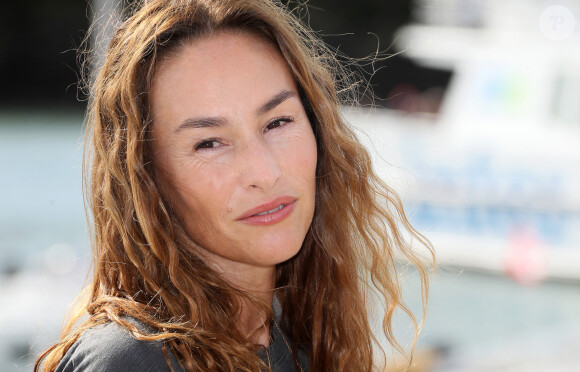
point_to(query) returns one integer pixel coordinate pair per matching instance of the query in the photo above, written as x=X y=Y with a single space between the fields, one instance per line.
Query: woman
x=238 y=225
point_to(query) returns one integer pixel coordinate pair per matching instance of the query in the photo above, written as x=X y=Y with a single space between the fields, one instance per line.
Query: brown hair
x=144 y=266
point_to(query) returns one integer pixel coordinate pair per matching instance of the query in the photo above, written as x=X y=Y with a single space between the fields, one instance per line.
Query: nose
x=258 y=165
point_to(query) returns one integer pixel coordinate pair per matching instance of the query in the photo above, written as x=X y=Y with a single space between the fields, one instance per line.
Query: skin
x=230 y=134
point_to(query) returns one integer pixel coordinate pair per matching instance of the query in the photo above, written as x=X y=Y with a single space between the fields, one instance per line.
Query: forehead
x=228 y=68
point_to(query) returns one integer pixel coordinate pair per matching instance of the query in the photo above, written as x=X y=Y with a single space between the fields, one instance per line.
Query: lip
x=250 y=216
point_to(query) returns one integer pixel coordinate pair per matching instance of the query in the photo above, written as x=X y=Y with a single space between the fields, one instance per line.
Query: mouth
x=270 y=212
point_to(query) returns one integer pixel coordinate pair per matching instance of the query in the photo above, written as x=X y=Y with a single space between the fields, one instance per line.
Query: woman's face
x=234 y=152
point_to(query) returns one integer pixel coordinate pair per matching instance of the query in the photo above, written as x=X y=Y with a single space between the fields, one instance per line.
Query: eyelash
x=201 y=144
x=285 y=120
x=282 y=121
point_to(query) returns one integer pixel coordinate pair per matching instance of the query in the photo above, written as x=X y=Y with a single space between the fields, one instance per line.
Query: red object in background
x=525 y=259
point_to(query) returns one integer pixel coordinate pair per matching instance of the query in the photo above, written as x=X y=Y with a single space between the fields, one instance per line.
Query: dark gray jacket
x=109 y=347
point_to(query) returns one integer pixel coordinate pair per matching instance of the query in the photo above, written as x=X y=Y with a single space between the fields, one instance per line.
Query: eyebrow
x=215 y=122
x=275 y=101
x=205 y=122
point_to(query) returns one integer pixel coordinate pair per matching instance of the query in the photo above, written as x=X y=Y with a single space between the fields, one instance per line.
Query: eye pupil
x=277 y=123
x=206 y=145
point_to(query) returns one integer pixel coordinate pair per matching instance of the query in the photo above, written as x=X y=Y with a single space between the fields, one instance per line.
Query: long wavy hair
x=144 y=266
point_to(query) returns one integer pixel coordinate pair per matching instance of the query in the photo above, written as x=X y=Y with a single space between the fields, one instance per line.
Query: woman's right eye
x=207 y=144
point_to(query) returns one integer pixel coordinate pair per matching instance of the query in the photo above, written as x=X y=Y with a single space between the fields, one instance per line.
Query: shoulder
x=109 y=347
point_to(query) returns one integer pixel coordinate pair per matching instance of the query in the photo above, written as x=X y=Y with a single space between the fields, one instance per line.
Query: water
x=41 y=198
x=43 y=241
x=489 y=323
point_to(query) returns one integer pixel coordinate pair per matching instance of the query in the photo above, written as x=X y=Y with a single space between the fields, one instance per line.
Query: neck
x=254 y=324
x=259 y=282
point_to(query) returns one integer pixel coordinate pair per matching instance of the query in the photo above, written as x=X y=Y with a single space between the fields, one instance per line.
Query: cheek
x=199 y=193
x=304 y=157
x=201 y=207
x=207 y=189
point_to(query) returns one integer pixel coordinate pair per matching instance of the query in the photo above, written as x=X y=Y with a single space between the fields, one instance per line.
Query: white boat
x=493 y=179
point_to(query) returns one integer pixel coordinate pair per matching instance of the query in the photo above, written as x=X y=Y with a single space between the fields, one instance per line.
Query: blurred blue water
x=44 y=247
x=40 y=187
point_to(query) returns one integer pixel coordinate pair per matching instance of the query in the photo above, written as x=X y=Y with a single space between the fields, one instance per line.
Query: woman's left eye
x=207 y=144
x=277 y=123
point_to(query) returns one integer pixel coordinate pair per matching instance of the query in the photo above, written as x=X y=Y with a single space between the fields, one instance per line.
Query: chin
x=290 y=254
x=280 y=253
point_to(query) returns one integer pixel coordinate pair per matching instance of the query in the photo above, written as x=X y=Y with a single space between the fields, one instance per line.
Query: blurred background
x=476 y=123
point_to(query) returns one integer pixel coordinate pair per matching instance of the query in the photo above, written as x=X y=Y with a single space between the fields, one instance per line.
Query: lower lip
x=270 y=218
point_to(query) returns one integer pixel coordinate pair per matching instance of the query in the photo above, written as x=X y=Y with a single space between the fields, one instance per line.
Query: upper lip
x=267 y=206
